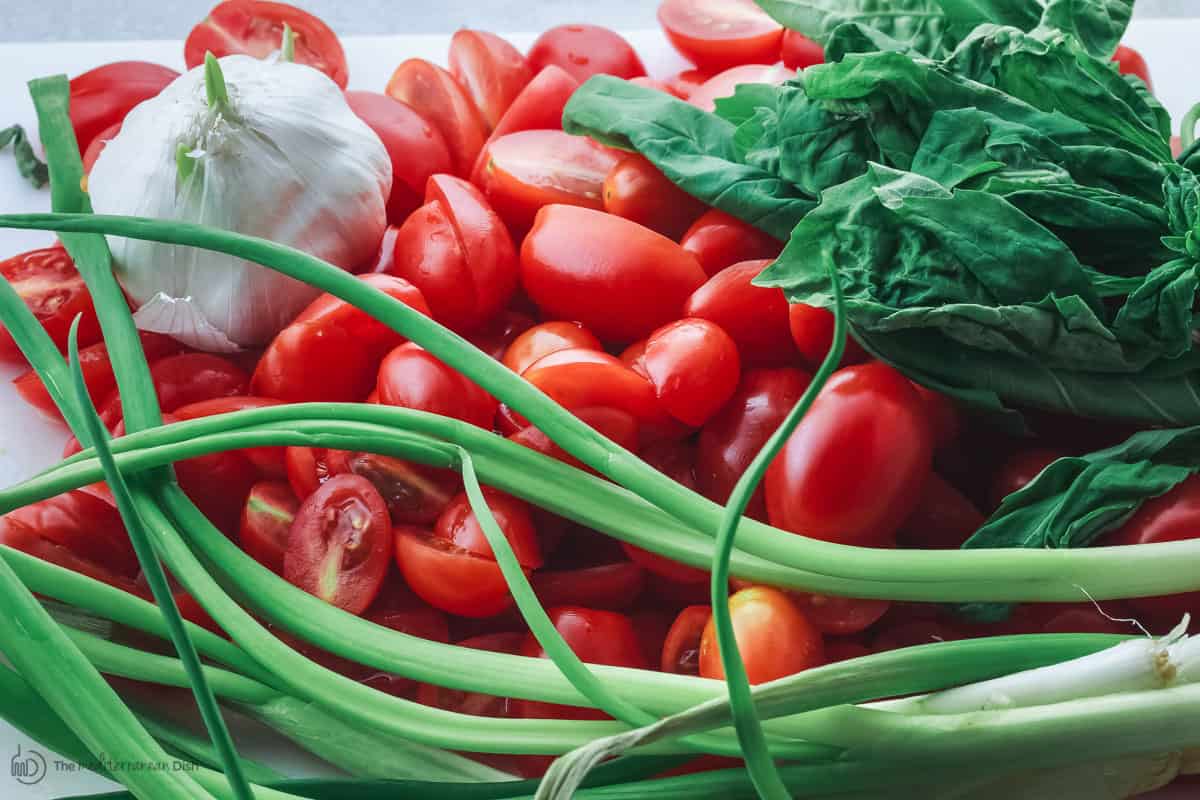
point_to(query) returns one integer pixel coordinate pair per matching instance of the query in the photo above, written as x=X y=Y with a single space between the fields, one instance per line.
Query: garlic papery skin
x=276 y=153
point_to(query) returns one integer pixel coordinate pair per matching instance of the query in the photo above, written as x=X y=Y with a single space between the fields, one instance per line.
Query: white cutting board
x=28 y=443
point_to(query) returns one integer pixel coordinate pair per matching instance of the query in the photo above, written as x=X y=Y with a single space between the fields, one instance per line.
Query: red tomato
x=836 y=651
x=636 y=190
x=412 y=377
x=663 y=567
x=435 y=95
x=218 y=484
x=943 y=519
x=755 y=317
x=415 y=494
x=683 y=84
x=597 y=637
x=800 y=52
x=1087 y=618
x=417 y=619
x=266 y=523
x=99 y=142
x=47 y=281
x=416 y=148
x=84 y=524
x=718 y=240
x=773 y=636
x=634 y=357
x=310 y=467
x=456 y=250
x=656 y=85
x=101 y=97
x=491 y=70
x=1131 y=62
x=21 y=537
x=943 y=414
x=840 y=616
x=681 y=650
x=339 y=544
x=474 y=703
x=255 y=28
x=458 y=524
x=616 y=425
x=852 y=471
x=539 y=106
x=675 y=458
x=724 y=83
x=732 y=438
x=694 y=367
x=609 y=586
x=812 y=332
x=527 y=170
x=1173 y=517
x=584 y=51
x=572 y=270
x=718 y=34
x=549 y=337
x=912 y=633
x=1019 y=470
x=500 y=333
x=268 y=459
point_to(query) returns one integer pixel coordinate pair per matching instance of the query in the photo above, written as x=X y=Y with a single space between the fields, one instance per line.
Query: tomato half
x=457 y=251
x=266 y=523
x=415 y=494
x=20 y=536
x=719 y=240
x=755 y=317
x=657 y=85
x=681 y=650
x=491 y=70
x=1131 y=62
x=943 y=519
x=800 y=52
x=586 y=50
x=636 y=190
x=773 y=635
x=255 y=28
x=718 y=34
x=694 y=367
x=608 y=586
x=538 y=107
x=309 y=467
x=48 y=283
x=433 y=93
x=853 y=469
x=84 y=524
x=101 y=97
x=724 y=83
x=572 y=270
x=546 y=338
x=812 y=332
x=412 y=377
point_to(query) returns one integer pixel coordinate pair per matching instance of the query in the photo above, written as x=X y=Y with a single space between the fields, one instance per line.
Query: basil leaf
x=32 y=168
x=1097 y=24
x=917 y=24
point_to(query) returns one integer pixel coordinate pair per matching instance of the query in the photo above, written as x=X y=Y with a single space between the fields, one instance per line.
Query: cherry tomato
x=664 y=568
x=415 y=494
x=417 y=149
x=718 y=240
x=549 y=337
x=1172 y=517
x=1019 y=470
x=47 y=281
x=684 y=83
x=99 y=142
x=20 y=536
x=718 y=34
x=474 y=703
x=608 y=586
x=1131 y=62
x=266 y=522
x=634 y=357
x=84 y=524
x=694 y=367
x=636 y=190
x=500 y=333
x=101 y=97
x=584 y=51
x=572 y=270
x=412 y=377
x=1110 y=618
x=339 y=544
x=270 y=460
x=852 y=471
x=491 y=70
x=800 y=52
x=812 y=331
x=656 y=85
x=681 y=650
x=310 y=467
x=943 y=414
x=675 y=458
x=836 y=651
x=255 y=28
x=218 y=484
x=774 y=637
x=398 y=609
x=434 y=94
x=724 y=83
x=539 y=106
x=943 y=519
x=840 y=616
x=527 y=170
x=597 y=637
x=614 y=424
x=456 y=250
x=754 y=316
x=731 y=439
x=911 y=633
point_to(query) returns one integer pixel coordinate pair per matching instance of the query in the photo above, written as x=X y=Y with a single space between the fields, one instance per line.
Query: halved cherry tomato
x=694 y=367
x=501 y=332
x=773 y=635
x=724 y=83
x=636 y=190
x=47 y=281
x=458 y=524
x=586 y=50
x=99 y=142
x=718 y=34
x=546 y=338
x=491 y=70
x=456 y=250
x=415 y=494
x=84 y=524
x=1019 y=470
x=608 y=586
x=614 y=424
x=416 y=148
x=412 y=377
x=1131 y=62
x=524 y=171
x=572 y=270
x=943 y=519
x=340 y=543
x=24 y=538
x=681 y=650
x=718 y=240
x=255 y=27
x=435 y=95
x=800 y=52
x=578 y=379
x=266 y=523
x=474 y=703
x=684 y=83
x=812 y=332
x=268 y=459
x=101 y=97
x=840 y=616
x=731 y=439
x=755 y=317
x=539 y=107
x=310 y=467
x=852 y=471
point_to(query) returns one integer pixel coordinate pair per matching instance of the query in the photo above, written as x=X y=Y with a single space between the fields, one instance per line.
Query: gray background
x=59 y=20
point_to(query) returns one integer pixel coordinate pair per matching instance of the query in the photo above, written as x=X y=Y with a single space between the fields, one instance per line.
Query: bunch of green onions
x=1124 y=704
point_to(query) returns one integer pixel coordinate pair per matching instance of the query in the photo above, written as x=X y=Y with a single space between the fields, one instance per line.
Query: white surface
x=29 y=443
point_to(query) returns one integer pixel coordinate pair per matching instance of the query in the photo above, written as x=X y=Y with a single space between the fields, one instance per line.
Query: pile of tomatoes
x=631 y=304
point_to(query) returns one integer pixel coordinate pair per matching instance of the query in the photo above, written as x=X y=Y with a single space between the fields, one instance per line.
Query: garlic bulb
x=267 y=148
